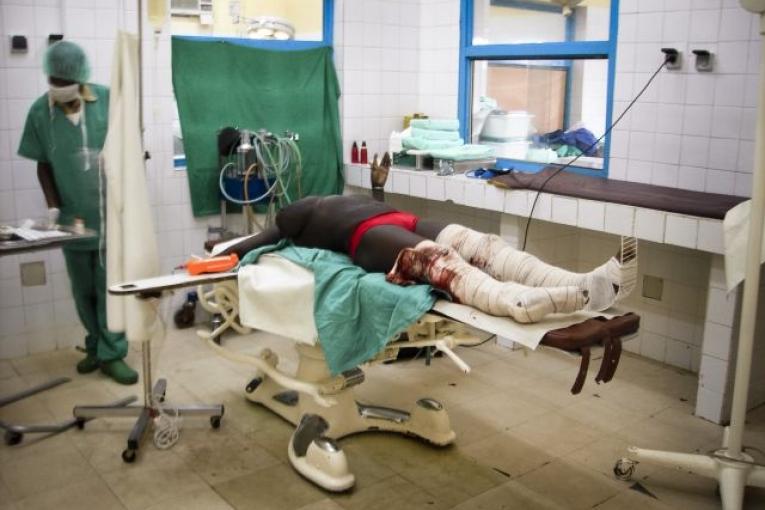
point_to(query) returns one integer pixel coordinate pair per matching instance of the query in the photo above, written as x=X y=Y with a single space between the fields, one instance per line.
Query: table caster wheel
x=624 y=469
x=81 y=423
x=128 y=456
x=215 y=421
x=13 y=438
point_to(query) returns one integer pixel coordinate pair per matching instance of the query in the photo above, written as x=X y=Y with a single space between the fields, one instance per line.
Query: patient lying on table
x=480 y=270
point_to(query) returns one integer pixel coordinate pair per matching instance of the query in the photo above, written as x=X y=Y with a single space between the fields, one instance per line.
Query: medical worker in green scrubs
x=64 y=132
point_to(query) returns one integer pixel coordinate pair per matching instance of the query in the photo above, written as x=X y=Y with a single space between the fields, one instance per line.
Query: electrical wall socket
x=653 y=287
x=32 y=273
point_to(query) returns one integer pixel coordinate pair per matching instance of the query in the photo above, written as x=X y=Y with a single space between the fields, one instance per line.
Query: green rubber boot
x=120 y=371
x=89 y=364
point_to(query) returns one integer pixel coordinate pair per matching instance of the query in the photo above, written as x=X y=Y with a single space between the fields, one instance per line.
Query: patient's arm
x=271 y=235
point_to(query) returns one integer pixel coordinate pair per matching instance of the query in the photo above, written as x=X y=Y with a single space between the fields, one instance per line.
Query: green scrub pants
x=88 y=279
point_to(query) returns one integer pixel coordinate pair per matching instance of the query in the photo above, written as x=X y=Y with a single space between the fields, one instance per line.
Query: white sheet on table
x=528 y=335
x=277 y=296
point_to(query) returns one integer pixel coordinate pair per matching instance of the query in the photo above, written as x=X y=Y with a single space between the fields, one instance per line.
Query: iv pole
x=733 y=468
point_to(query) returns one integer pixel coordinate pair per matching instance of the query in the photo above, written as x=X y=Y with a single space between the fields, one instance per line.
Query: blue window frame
x=328 y=13
x=562 y=52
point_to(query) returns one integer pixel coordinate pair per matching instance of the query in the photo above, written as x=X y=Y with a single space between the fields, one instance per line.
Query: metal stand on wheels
x=153 y=395
x=14 y=434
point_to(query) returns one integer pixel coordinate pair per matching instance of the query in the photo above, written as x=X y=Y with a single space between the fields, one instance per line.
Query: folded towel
x=463 y=153
x=441 y=124
x=421 y=144
x=434 y=134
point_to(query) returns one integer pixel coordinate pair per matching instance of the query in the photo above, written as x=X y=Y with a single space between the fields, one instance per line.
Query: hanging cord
x=251 y=218
x=167 y=425
x=588 y=149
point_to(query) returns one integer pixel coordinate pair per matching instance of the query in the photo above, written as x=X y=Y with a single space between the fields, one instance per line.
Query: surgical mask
x=64 y=94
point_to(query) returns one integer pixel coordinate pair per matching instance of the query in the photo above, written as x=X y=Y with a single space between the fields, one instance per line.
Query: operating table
x=322 y=405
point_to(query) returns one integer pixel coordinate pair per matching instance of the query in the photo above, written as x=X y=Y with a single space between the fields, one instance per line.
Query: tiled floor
x=523 y=441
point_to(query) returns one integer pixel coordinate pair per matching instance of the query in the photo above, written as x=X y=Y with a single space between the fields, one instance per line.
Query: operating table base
x=313 y=449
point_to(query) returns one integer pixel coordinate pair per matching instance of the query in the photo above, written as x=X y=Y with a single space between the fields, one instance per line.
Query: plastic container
x=502 y=125
x=512 y=149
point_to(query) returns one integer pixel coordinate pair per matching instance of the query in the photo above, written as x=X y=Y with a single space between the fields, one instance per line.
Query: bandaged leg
x=606 y=284
x=444 y=269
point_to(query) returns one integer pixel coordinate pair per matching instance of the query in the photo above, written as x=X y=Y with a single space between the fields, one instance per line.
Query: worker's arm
x=48 y=184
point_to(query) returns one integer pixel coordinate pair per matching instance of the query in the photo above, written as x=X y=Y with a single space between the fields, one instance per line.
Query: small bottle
x=355 y=153
x=364 y=158
x=78 y=226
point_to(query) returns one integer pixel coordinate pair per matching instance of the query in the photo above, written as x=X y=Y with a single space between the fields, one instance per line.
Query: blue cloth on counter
x=422 y=144
x=487 y=173
x=464 y=152
x=581 y=138
x=356 y=313
x=440 y=124
x=435 y=134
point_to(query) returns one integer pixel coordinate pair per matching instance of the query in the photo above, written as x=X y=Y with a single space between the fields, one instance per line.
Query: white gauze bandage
x=444 y=269
x=606 y=284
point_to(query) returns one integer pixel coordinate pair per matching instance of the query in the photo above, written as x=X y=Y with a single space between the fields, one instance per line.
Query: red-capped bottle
x=364 y=158
x=355 y=153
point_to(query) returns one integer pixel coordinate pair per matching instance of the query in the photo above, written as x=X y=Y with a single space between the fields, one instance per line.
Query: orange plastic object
x=212 y=265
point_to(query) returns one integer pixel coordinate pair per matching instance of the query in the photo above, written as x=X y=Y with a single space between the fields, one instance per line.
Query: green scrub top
x=50 y=137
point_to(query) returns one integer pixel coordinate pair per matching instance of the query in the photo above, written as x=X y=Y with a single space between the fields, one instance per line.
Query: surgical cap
x=66 y=61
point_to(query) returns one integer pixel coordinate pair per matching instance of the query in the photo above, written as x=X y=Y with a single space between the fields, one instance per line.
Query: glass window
x=544 y=111
x=283 y=20
x=535 y=21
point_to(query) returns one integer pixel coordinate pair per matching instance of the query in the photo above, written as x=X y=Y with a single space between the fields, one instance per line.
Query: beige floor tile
x=469 y=427
x=509 y=496
x=219 y=457
x=93 y=493
x=680 y=489
x=52 y=466
x=201 y=499
x=6 y=370
x=602 y=455
x=570 y=486
x=141 y=484
x=393 y=493
x=500 y=374
x=647 y=405
x=506 y=453
x=544 y=361
x=55 y=363
x=503 y=411
x=456 y=389
x=277 y=488
x=653 y=434
x=102 y=448
x=683 y=419
x=5 y=493
x=448 y=472
x=363 y=464
x=598 y=414
x=555 y=434
x=324 y=504
x=632 y=500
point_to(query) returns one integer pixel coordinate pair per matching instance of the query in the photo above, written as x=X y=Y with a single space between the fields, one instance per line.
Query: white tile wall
x=705 y=111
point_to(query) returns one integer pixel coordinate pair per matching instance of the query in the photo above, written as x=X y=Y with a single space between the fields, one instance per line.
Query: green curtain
x=219 y=84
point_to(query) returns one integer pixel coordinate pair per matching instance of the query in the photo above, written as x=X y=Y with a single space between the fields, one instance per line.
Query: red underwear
x=400 y=219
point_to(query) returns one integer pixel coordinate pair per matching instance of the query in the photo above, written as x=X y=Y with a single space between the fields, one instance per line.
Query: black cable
x=594 y=144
